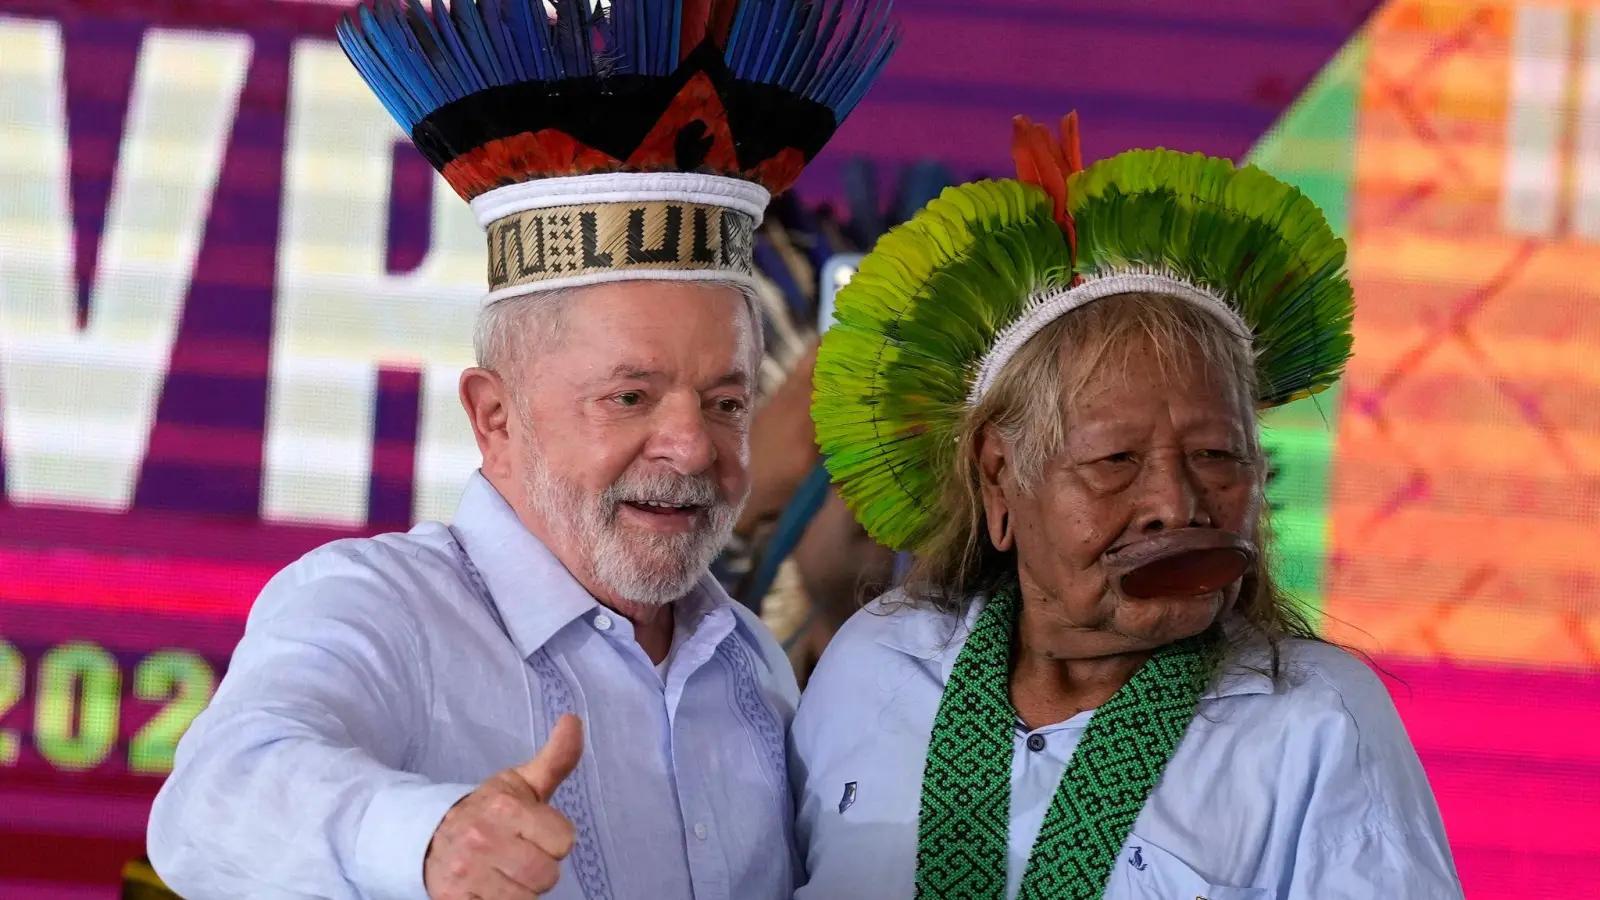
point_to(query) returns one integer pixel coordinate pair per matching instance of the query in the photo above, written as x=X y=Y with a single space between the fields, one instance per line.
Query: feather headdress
x=943 y=302
x=639 y=139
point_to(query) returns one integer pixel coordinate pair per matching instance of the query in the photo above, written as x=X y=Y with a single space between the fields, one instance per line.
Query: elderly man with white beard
x=550 y=696
x=380 y=680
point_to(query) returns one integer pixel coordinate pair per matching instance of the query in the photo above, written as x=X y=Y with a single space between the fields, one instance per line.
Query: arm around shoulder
x=291 y=782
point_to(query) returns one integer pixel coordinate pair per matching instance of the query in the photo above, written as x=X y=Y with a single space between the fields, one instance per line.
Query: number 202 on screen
x=77 y=704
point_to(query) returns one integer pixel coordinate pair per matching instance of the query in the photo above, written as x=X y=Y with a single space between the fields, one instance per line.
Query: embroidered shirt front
x=380 y=680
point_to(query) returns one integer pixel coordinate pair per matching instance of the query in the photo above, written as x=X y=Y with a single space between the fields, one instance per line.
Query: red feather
x=1072 y=152
x=779 y=173
x=720 y=22
x=524 y=157
x=696 y=23
x=1048 y=164
x=1070 y=143
x=1021 y=151
x=696 y=101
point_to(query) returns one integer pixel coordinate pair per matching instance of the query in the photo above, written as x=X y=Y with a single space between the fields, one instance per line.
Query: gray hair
x=1025 y=407
x=957 y=562
x=530 y=322
x=533 y=323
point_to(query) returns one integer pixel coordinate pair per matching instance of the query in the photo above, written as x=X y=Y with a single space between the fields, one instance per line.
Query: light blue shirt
x=379 y=681
x=1306 y=788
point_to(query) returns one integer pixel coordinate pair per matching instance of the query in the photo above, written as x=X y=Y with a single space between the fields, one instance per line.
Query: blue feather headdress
x=477 y=82
x=641 y=139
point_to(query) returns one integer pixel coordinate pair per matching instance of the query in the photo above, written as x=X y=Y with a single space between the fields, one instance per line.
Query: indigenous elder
x=1091 y=687
x=550 y=696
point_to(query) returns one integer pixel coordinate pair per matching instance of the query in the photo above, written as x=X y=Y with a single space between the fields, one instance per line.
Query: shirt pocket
x=1145 y=871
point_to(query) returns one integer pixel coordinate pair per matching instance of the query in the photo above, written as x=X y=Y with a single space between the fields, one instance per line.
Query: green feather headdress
x=944 y=301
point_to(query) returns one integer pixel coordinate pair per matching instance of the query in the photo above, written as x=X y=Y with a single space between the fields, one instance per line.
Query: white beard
x=644 y=568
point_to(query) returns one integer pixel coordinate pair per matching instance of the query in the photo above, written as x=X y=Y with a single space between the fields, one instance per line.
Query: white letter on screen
x=1586 y=165
x=339 y=314
x=1534 y=123
x=77 y=405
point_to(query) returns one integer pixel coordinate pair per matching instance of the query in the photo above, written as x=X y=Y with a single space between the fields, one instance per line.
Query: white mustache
x=668 y=490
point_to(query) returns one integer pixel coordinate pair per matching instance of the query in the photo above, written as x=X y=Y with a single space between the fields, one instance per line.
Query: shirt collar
x=937 y=638
x=929 y=635
x=534 y=594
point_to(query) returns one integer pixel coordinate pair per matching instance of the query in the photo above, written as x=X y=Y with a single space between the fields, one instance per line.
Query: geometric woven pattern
x=966 y=783
x=1465 y=513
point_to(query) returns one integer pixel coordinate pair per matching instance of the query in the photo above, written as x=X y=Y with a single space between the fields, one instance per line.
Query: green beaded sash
x=966 y=783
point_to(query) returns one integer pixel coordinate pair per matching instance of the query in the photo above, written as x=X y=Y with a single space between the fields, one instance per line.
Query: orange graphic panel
x=1465 y=502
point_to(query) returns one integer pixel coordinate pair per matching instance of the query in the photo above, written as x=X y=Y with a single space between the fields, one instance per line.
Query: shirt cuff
x=394 y=837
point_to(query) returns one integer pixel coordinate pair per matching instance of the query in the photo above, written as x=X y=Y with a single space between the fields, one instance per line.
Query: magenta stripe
x=199 y=445
x=1511 y=754
x=74 y=578
x=121 y=631
x=222 y=355
x=1545 y=716
x=14 y=889
x=1552 y=869
x=174 y=535
x=1098 y=61
x=1501 y=801
x=290 y=18
x=73 y=815
x=1282 y=18
x=1257 y=21
x=1237 y=13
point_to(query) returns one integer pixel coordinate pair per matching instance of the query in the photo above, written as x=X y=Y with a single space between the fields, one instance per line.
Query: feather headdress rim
x=937 y=309
x=622 y=187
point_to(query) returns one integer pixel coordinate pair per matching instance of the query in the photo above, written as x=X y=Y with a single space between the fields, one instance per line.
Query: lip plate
x=1186 y=562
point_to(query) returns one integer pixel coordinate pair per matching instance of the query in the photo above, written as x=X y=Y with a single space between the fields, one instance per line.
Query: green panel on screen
x=1313 y=148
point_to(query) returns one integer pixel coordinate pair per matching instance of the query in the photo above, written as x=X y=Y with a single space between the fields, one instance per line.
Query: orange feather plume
x=1069 y=142
x=1046 y=163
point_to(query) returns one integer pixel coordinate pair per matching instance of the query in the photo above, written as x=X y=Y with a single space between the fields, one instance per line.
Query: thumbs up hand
x=504 y=841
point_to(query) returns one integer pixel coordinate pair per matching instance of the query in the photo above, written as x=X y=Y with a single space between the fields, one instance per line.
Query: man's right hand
x=504 y=841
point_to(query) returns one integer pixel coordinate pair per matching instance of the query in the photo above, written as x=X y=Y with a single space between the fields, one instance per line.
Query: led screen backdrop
x=233 y=304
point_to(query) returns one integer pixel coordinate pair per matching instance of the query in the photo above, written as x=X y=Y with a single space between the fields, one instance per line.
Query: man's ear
x=994 y=470
x=487 y=400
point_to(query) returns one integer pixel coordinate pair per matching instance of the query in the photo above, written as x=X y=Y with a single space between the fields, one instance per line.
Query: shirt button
x=700 y=830
x=1036 y=742
x=602 y=622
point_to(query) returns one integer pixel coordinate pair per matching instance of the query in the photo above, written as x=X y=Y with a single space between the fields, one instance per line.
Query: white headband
x=1042 y=309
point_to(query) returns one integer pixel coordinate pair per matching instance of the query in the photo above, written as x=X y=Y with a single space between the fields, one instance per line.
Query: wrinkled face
x=1146 y=451
x=633 y=442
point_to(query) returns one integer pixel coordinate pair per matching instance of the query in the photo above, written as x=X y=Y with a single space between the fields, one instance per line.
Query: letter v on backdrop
x=77 y=403
x=78 y=398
